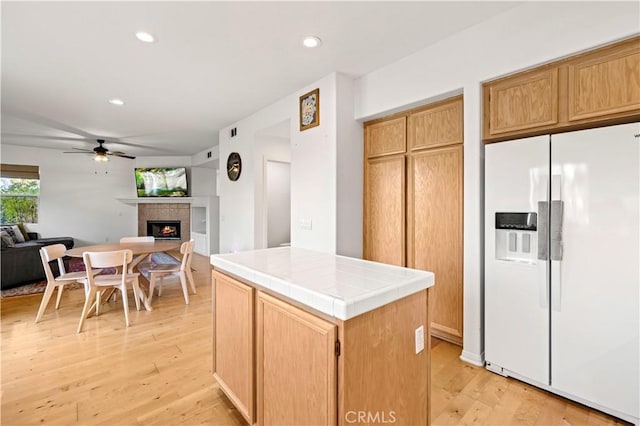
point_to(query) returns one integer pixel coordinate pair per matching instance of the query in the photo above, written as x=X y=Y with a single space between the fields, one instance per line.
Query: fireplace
x=164 y=229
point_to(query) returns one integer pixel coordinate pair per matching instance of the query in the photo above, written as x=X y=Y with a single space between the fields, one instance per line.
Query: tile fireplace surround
x=165 y=211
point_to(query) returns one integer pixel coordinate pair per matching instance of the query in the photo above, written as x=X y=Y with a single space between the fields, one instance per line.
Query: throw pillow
x=7 y=241
x=25 y=234
x=14 y=232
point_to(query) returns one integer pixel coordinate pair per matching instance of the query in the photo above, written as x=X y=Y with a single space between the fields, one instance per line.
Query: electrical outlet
x=419 y=339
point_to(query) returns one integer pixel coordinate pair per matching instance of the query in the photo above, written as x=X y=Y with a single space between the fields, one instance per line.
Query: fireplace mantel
x=157 y=200
x=194 y=201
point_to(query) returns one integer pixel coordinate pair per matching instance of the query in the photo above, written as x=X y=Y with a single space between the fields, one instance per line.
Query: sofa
x=21 y=262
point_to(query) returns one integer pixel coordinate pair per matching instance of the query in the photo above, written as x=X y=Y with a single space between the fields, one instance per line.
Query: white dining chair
x=119 y=280
x=182 y=270
x=49 y=254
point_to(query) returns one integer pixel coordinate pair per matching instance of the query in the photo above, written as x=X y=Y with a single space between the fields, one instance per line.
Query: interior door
x=516 y=292
x=595 y=297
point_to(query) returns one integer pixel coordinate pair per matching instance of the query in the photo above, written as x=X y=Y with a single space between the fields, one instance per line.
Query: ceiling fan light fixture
x=145 y=37
x=311 y=41
x=100 y=158
x=116 y=101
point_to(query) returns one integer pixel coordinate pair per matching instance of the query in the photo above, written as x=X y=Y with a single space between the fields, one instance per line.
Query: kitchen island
x=303 y=337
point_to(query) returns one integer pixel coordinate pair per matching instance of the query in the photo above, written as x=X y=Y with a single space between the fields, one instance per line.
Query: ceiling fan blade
x=45 y=137
x=47 y=122
x=77 y=152
x=121 y=155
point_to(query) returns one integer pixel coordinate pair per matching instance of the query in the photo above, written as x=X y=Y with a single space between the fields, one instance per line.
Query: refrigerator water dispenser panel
x=516 y=238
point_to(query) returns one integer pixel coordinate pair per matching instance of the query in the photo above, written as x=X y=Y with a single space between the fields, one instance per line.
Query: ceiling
x=213 y=63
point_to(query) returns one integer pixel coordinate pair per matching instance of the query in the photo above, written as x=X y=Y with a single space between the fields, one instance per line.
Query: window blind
x=19 y=171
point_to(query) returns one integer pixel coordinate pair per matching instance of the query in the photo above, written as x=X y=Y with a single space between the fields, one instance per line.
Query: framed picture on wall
x=310 y=110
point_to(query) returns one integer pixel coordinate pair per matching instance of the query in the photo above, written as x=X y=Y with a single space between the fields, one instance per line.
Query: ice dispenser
x=516 y=237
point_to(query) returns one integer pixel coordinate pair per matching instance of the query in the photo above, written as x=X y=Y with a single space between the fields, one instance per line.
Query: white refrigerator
x=562 y=265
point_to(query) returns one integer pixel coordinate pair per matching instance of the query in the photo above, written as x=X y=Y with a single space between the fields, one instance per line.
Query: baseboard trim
x=473 y=358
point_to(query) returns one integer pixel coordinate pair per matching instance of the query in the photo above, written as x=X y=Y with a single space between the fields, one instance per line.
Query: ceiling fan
x=100 y=152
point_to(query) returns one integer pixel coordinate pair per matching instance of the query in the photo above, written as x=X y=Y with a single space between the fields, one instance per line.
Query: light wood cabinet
x=414 y=218
x=295 y=354
x=605 y=82
x=233 y=367
x=436 y=125
x=435 y=232
x=313 y=369
x=384 y=210
x=386 y=137
x=525 y=101
x=592 y=89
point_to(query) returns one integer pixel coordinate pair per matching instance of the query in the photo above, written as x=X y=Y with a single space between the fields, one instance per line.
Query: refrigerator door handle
x=555 y=240
x=555 y=235
x=543 y=230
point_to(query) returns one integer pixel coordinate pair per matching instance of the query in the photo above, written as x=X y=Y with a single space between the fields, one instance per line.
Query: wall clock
x=234 y=166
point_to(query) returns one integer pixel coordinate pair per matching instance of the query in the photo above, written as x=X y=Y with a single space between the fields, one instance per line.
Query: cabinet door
x=525 y=101
x=436 y=125
x=435 y=233
x=384 y=210
x=605 y=82
x=233 y=354
x=385 y=137
x=296 y=366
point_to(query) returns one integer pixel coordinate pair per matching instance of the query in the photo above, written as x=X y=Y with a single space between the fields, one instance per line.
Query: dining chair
x=182 y=270
x=137 y=259
x=49 y=254
x=119 y=280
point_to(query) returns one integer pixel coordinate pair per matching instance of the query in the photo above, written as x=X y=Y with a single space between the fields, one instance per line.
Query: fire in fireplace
x=164 y=229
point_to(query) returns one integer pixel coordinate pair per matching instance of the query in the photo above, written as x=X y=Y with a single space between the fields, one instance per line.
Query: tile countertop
x=343 y=287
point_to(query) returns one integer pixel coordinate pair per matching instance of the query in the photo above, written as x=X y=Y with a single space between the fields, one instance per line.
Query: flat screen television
x=161 y=182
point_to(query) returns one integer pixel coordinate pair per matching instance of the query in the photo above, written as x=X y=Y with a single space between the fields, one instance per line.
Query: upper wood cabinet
x=524 y=101
x=605 y=82
x=436 y=124
x=592 y=89
x=386 y=137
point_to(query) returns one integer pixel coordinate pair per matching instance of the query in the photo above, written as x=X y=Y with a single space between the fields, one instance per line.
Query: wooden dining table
x=140 y=251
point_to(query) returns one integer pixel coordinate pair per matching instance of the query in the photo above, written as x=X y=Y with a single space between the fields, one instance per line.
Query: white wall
x=278 y=197
x=525 y=36
x=77 y=202
x=266 y=148
x=203 y=185
x=350 y=173
x=313 y=174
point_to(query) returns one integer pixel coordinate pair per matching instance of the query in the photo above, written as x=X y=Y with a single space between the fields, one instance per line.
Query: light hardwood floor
x=158 y=371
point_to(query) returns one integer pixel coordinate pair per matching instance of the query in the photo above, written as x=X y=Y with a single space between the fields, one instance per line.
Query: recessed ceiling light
x=311 y=41
x=145 y=37
x=115 y=101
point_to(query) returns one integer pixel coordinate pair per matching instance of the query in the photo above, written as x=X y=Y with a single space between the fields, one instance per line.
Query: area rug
x=75 y=265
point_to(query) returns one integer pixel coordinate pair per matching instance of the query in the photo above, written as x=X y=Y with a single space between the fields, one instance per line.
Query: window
x=19 y=193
